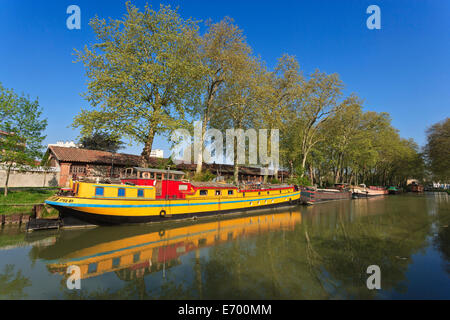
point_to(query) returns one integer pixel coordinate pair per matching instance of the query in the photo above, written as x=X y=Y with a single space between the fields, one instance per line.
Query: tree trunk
x=202 y=142
x=145 y=161
x=303 y=164
x=291 y=164
x=7 y=179
x=236 y=166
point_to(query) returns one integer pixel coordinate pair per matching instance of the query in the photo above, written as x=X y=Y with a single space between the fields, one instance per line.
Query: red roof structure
x=64 y=154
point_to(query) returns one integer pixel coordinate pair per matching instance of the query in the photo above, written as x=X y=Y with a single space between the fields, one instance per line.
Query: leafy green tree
x=21 y=143
x=101 y=141
x=223 y=52
x=141 y=74
x=438 y=150
x=316 y=104
x=238 y=104
x=278 y=90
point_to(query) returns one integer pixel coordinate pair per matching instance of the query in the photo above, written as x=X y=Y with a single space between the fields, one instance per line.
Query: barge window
x=230 y=192
x=92 y=268
x=99 y=191
x=140 y=192
x=203 y=192
x=121 y=192
x=116 y=262
x=136 y=257
x=217 y=192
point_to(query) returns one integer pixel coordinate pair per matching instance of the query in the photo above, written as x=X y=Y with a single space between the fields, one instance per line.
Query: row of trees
x=152 y=72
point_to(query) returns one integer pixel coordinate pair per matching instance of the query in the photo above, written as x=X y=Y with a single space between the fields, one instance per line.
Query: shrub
x=204 y=176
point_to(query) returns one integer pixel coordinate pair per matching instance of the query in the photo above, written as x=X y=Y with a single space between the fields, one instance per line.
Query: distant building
x=67 y=144
x=157 y=153
x=439 y=185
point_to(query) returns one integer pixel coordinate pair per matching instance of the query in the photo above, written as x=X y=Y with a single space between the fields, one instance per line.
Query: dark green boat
x=393 y=190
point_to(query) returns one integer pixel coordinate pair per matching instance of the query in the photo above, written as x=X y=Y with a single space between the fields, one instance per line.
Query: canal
x=316 y=252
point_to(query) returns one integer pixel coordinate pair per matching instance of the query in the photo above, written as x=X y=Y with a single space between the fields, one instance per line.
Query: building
x=67 y=144
x=76 y=162
x=72 y=163
x=157 y=153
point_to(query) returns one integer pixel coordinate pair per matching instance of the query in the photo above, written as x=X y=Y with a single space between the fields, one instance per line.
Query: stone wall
x=32 y=178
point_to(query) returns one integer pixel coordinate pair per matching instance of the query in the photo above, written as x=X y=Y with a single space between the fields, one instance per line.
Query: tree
x=141 y=74
x=318 y=101
x=278 y=93
x=438 y=150
x=101 y=141
x=223 y=50
x=21 y=121
x=237 y=103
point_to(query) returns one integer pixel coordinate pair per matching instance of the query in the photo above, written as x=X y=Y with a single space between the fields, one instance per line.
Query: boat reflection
x=135 y=256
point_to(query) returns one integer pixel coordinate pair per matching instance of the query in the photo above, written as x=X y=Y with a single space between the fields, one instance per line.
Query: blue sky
x=403 y=69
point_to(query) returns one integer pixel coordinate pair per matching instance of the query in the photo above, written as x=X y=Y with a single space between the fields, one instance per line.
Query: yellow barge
x=148 y=197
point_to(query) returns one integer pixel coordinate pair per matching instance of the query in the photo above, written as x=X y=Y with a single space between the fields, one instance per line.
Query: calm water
x=319 y=252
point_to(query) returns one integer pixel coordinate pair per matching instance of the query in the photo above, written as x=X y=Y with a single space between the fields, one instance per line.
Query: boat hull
x=314 y=196
x=368 y=194
x=108 y=213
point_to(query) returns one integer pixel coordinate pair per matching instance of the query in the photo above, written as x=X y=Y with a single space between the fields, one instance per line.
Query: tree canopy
x=141 y=73
x=22 y=127
x=152 y=72
x=101 y=141
x=438 y=150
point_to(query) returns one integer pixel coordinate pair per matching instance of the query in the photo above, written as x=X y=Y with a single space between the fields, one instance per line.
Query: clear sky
x=403 y=68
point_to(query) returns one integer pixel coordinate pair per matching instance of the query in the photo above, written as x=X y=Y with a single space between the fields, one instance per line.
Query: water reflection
x=317 y=252
x=12 y=283
x=135 y=256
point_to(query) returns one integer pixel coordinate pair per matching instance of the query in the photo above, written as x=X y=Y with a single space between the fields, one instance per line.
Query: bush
x=300 y=181
x=204 y=176
x=275 y=181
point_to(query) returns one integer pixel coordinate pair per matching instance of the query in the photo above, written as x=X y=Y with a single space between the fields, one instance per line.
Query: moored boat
x=147 y=195
x=310 y=195
x=362 y=191
x=393 y=190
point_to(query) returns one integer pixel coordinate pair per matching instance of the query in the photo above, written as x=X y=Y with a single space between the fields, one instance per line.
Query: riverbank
x=22 y=200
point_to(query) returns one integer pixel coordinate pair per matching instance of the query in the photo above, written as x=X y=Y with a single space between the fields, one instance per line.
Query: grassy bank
x=21 y=200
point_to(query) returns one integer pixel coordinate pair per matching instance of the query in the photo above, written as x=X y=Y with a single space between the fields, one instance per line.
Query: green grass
x=16 y=196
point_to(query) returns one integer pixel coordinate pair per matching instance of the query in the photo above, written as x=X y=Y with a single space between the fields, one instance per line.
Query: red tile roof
x=65 y=154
